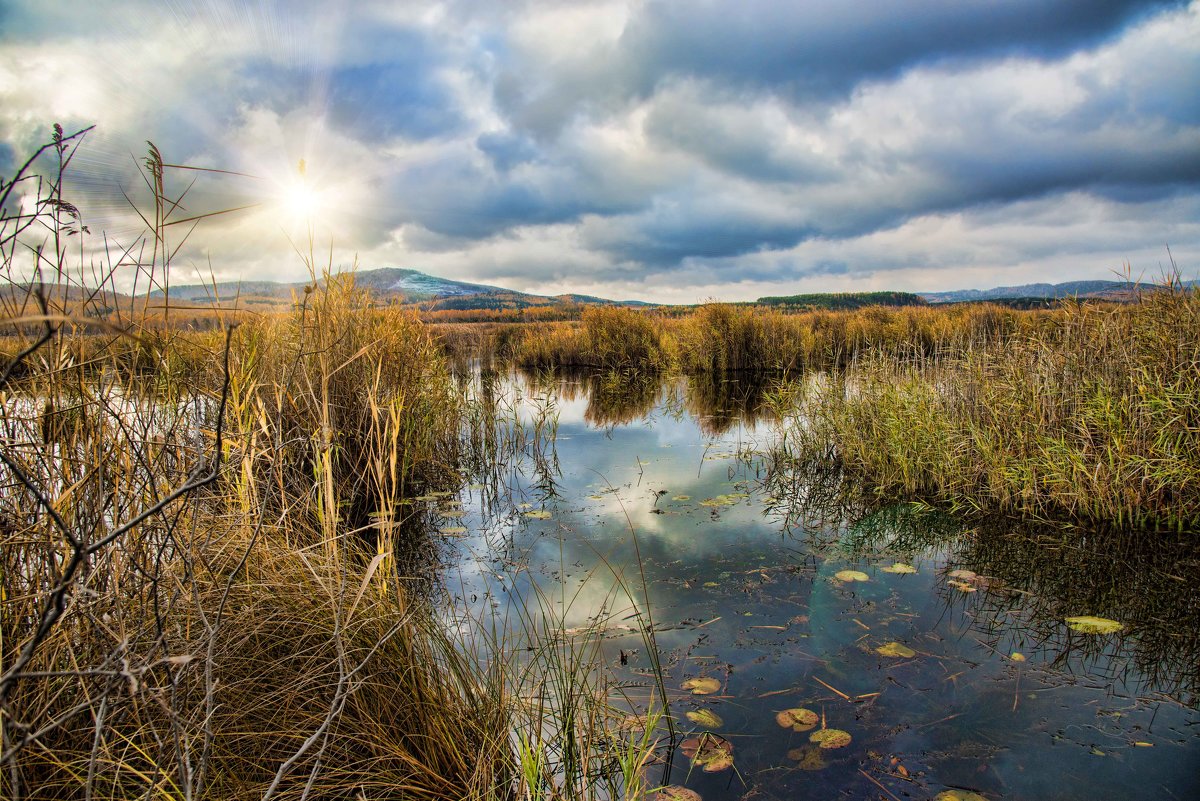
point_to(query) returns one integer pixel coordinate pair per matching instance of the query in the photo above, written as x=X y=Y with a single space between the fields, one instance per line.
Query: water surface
x=675 y=483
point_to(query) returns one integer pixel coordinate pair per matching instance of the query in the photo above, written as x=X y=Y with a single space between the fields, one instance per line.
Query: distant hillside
x=844 y=300
x=395 y=284
x=1105 y=290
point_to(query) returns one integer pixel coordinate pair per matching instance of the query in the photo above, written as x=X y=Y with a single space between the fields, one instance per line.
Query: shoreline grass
x=203 y=536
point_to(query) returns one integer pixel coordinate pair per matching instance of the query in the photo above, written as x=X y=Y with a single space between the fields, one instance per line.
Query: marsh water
x=939 y=646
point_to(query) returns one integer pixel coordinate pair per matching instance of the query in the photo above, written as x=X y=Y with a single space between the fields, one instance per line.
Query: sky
x=669 y=152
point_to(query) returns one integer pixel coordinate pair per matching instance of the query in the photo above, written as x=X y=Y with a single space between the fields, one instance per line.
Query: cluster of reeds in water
x=202 y=535
x=1088 y=412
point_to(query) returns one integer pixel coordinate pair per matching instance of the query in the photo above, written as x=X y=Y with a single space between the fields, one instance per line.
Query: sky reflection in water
x=743 y=593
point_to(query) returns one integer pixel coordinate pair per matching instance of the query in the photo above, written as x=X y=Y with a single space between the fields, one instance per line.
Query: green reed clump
x=1091 y=415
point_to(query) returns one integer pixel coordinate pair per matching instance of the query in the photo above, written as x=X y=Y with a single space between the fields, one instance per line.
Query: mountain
x=392 y=283
x=1107 y=290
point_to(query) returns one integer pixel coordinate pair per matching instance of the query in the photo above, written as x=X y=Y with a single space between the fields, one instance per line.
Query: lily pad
x=540 y=514
x=830 y=738
x=851 y=575
x=798 y=719
x=899 y=567
x=674 y=792
x=1087 y=624
x=809 y=757
x=895 y=650
x=958 y=795
x=702 y=685
x=708 y=751
x=704 y=717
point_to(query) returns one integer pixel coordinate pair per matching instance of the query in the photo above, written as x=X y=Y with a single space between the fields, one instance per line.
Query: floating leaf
x=711 y=584
x=596 y=497
x=798 y=719
x=965 y=575
x=851 y=575
x=524 y=505
x=682 y=498
x=720 y=500
x=705 y=717
x=674 y=792
x=703 y=685
x=895 y=650
x=452 y=531
x=899 y=567
x=708 y=751
x=426 y=498
x=809 y=757
x=962 y=586
x=1087 y=624
x=958 y=795
x=451 y=513
x=830 y=738
x=1017 y=656
x=539 y=514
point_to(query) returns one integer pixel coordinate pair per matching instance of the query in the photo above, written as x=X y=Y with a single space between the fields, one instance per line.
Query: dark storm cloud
x=806 y=51
x=830 y=46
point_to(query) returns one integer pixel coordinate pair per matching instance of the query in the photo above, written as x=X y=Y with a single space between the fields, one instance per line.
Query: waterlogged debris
x=809 y=757
x=830 y=738
x=702 y=685
x=705 y=717
x=708 y=751
x=899 y=568
x=452 y=531
x=681 y=498
x=896 y=650
x=674 y=792
x=539 y=514
x=958 y=795
x=851 y=575
x=1087 y=624
x=798 y=719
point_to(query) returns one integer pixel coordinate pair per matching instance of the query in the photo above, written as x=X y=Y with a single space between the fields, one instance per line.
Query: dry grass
x=1093 y=415
x=201 y=539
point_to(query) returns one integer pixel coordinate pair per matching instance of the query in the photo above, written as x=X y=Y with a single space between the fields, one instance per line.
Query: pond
x=938 y=648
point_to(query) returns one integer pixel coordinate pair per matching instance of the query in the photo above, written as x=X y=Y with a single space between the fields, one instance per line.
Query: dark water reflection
x=741 y=558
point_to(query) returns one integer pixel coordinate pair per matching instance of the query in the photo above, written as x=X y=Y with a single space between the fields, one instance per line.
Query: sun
x=299 y=199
